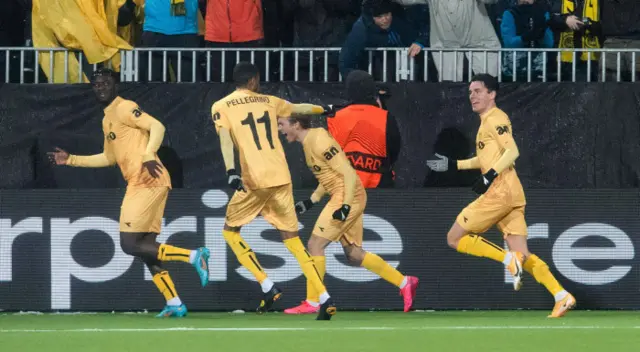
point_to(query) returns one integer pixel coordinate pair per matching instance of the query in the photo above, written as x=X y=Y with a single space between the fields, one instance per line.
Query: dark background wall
x=570 y=135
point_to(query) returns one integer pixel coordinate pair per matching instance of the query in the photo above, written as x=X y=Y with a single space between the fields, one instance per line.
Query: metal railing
x=321 y=64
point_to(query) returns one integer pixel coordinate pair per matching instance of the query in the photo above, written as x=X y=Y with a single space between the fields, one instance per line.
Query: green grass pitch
x=495 y=331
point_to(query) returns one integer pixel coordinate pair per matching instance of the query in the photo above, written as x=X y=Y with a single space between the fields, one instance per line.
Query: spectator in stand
x=580 y=27
x=380 y=25
x=461 y=24
x=170 y=24
x=86 y=26
x=525 y=26
x=317 y=24
x=234 y=24
x=621 y=28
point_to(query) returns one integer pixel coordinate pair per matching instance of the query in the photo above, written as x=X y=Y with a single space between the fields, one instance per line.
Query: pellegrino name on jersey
x=247 y=100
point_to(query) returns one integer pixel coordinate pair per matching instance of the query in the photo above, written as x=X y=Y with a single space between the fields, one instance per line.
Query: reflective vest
x=361 y=131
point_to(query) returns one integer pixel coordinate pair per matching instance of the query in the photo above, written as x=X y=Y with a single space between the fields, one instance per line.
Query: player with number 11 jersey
x=248 y=120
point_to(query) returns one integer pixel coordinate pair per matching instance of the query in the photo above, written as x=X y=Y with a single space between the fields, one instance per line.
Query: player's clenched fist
x=235 y=181
x=59 y=157
x=303 y=206
x=342 y=213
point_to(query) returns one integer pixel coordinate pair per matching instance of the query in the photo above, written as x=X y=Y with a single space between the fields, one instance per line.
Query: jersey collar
x=113 y=104
x=487 y=113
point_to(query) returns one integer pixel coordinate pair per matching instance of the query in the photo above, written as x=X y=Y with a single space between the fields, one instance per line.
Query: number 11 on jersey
x=251 y=122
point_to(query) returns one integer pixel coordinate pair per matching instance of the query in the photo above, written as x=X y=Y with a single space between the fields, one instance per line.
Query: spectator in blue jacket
x=170 y=24
x=380 y=25
x=525 y=26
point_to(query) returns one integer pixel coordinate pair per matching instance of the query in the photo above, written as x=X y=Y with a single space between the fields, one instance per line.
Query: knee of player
x=453 y=242
x=128 y=244
x=355 y=255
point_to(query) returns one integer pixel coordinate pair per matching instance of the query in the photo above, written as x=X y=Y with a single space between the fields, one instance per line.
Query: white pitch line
x=362 y=328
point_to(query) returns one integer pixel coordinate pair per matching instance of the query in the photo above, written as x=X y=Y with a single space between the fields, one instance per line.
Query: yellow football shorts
x=348 y=232
x=142 y=209
x=275 y=204
x=484 y=212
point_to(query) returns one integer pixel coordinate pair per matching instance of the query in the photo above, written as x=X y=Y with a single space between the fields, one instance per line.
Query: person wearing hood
x=525 y=26
x=378 y=26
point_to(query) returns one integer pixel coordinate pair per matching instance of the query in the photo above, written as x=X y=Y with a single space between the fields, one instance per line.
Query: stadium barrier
x=59 y=250
x=392 y=64
x=569 y=135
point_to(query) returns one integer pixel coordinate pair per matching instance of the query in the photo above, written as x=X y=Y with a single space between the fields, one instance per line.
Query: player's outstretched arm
x=61 y=157
x=310 y=109
x=442 y=163
x=468 y=164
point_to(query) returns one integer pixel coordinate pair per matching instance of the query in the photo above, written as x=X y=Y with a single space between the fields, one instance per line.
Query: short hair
x=304 y=121
x=243 y=72
x=489 y=81
x=104 y=72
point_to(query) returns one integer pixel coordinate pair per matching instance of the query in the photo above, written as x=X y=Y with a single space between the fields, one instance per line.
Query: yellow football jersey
x=252 y=120
x=126 y=134
x=324 y=157
x=494 y=136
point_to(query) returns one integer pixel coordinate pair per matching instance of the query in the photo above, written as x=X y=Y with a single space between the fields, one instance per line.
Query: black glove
x=302 y=207
x=329 y=110
x=484 y=182
x=342 y=213
x=235 y=181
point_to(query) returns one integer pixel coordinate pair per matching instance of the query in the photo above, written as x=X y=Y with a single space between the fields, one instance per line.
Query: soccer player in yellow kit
x=342 y=217
x=501 y=200
x=249 y=121
x=131 y=140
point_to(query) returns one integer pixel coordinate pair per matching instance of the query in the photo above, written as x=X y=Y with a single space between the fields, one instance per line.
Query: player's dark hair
x=104 y=72
x=243 y=72
x=304 y=121
x=490 y=82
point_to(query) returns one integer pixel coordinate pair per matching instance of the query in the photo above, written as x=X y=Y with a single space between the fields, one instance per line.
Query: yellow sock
x=168 y=253
x=295 y=246
x=245 y=254
x=540 y=271
x=481 y=247
x=321 y=265
x=377 y=265
x=165 y=285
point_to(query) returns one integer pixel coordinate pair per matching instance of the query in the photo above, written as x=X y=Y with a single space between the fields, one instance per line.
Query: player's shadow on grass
x=454 y=144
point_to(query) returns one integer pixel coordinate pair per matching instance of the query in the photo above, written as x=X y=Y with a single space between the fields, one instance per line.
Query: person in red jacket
x=233 y=24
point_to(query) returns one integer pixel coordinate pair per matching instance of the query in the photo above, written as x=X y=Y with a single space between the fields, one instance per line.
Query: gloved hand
x=442 y=164
x=303 y=206
x=484 y=182
x=235 y=181
x=342 y=213
x=329 y=110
